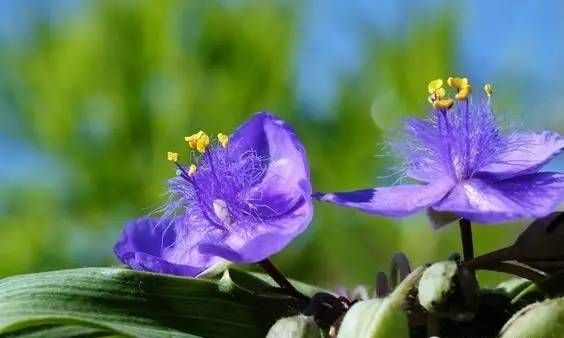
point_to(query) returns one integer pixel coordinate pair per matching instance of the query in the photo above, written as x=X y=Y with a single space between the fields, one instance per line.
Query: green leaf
x=552 y=286
x=512 y=287
x=60 y=331
x=138 y=304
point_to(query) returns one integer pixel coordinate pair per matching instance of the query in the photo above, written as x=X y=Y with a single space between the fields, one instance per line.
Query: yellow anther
x=193 y=139
x=192 y=169
x=172 y=156
x=202 y=143
x=223 y=139
x=463 y=93
x=488 y=88
x=458 y=82
x=198 y=141
x=434 y=85
x=439 y=93
x=443 y=104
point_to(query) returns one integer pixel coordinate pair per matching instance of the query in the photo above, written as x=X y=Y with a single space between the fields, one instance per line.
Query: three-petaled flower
x=246 y=198
x=466 y=167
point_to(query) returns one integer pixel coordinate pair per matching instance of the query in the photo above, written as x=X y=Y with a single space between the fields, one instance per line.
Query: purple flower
x=245 y=198
x=466 y=167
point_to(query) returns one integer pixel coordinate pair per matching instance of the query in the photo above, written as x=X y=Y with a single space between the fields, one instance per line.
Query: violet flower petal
x=251 y=135
x=395 y=201
x=243 y=250
x=282 y=204
x=525 y=153
x=150 y=244
x=527 y=196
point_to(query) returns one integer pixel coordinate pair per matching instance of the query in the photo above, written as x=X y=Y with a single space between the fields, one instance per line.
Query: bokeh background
x=93 y=94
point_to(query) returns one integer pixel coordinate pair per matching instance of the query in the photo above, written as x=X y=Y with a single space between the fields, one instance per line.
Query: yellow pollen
x=458 y=83
x=223 y=139
x=464 y=92
x=193 y=139
x=203 y=143
x=198 y=141
x=172 y=156
x=434 y=86
x=488 y=88
x=439 y=93
x=192 y=169
x=443 y=104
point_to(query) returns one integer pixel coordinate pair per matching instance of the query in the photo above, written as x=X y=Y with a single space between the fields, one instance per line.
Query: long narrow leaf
x=138 y=304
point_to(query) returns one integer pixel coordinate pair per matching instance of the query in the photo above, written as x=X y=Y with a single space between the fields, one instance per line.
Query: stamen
x=223 y=139
x=443 y=104
x=203 y=143
x=438 y=93
x=173 y=157
x=464 y=92
x=192 y=139
x=192 y=169
x=488 y=88
x=458 y=83
x=198 y=141
x=183 y=172
x=435 y=85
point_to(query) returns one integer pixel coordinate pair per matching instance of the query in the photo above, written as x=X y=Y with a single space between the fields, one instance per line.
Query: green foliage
x=111 y=302
x=124 y=302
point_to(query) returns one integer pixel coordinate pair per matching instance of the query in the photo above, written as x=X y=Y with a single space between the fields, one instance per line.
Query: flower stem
x=280 y=279
x=466 y=236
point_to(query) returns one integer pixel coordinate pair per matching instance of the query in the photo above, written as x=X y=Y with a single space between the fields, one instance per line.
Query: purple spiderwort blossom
x=247 y=198
x=467 y=168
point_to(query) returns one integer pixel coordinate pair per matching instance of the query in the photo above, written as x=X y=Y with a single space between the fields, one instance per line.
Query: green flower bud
x=295 y=327
x=375 y=318
x=447 y=290
x=545 y=319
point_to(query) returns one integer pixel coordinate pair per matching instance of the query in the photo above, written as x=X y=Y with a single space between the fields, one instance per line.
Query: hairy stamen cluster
x=220 y=188
x=457 y=140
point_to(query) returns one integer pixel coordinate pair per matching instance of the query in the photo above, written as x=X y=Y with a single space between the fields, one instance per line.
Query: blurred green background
x=93 y=94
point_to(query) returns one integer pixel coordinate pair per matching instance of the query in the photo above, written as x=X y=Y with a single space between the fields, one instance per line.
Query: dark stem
x=280 y=279
x=466 y=236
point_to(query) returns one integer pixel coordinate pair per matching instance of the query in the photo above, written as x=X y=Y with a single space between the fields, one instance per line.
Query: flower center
x=467 y=131
x=219 y=186
x=222 y=212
